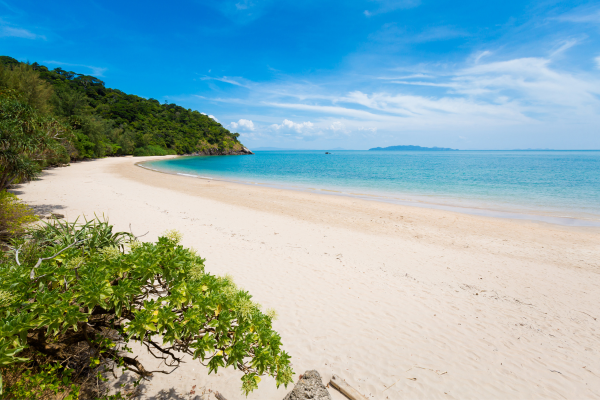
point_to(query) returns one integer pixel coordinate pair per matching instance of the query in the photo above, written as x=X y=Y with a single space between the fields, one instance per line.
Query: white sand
x=401 y=302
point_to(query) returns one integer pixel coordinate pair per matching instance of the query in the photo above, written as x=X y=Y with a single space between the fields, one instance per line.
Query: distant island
x=411 y=148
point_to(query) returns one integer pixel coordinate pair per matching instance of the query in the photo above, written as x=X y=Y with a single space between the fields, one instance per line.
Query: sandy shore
x=402 y=302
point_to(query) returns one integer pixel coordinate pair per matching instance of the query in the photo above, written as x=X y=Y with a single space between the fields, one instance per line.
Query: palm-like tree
x=26 y=140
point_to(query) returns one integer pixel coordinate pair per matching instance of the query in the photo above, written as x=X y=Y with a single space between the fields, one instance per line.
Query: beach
x=400 y=301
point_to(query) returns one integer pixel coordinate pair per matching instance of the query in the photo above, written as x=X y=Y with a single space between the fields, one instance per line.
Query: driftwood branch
x=136 y=237
x=346 y=389
x=16 y=253
x=39 y=261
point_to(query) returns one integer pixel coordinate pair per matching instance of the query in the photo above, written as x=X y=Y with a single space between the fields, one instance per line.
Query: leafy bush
x=69 y=285
x=13 y=216
x=45 y=381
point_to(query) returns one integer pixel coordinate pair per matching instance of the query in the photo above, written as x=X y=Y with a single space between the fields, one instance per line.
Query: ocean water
x=555 y=186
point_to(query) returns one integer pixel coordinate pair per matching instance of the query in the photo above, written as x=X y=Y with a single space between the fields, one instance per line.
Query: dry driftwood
x=219 y=396
x=346 y=389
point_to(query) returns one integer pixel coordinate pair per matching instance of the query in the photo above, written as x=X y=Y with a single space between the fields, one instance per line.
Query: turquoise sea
x=554 y=186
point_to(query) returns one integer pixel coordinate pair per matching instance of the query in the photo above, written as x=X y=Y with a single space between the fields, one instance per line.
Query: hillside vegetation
x=100 y=121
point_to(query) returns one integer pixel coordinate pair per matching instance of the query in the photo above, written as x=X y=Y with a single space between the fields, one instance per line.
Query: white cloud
x=532 y=84
x=225 y=79
x=243 y=124
x=288 y=125
x=481 y=55
x=525 y=92
x=485 y=101
x=371 y=129
x=564 y=46
x=211 y=116
x=338 y=126
x=7 y=31
x=325 y=109
x=425 y=110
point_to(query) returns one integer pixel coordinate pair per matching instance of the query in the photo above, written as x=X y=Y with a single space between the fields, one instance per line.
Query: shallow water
x=554 y=184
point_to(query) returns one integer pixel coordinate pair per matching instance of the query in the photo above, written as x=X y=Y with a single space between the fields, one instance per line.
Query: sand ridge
x=402 y=302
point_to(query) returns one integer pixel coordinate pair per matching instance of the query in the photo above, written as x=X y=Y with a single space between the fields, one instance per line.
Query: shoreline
x=479 y=211
x=401 y=302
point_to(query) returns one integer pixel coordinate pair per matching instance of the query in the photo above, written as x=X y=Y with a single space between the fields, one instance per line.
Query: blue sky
x=352 y=74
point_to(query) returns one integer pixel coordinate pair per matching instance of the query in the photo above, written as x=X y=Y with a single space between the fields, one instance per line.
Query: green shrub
x=70 y=284
x=45 y=381
x=14 y=215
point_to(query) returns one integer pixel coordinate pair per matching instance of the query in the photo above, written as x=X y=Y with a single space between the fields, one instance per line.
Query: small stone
x=57 y=215
x=309 y=387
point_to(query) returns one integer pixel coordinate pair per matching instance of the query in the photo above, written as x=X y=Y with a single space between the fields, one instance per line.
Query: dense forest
x=100 y=121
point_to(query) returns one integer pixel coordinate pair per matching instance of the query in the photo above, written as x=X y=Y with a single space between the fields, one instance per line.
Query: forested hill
x=107 y=122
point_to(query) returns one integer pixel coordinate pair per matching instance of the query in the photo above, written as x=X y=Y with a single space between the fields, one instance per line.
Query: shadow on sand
x=125 y=383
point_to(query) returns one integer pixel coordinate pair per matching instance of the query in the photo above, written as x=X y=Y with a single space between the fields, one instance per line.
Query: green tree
x=27 y=140
x=8 y=61
x=68 y=103
x=24 y=79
